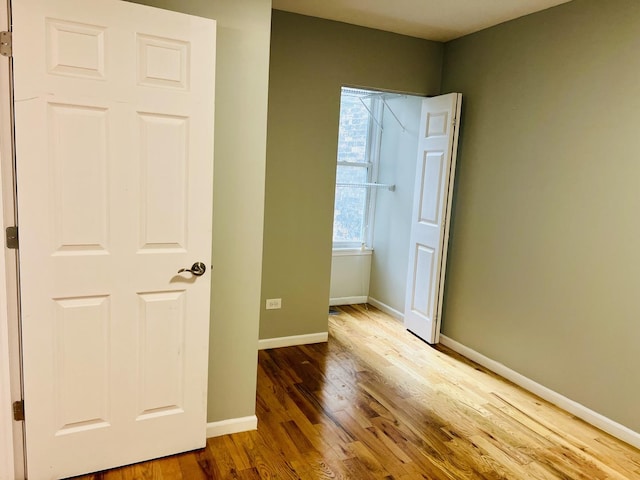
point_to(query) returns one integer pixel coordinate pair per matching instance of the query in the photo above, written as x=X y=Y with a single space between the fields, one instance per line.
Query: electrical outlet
x=274 y=303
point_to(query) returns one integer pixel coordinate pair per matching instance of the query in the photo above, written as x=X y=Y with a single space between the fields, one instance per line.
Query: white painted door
x=437 y=145
x=114 y=149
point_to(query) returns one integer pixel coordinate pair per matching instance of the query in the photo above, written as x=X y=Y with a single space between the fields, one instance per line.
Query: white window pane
x=351 y=174
x=349 y=214
x=354 y=128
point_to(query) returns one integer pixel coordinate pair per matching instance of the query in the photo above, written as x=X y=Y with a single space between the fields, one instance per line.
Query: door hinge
x=12 y=237
x=6 y=44
x=18 y=411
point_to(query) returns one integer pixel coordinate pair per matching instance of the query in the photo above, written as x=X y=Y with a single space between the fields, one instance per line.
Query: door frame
x=12 y=441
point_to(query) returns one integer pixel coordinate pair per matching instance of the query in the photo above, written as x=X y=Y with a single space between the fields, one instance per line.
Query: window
x=358 y=152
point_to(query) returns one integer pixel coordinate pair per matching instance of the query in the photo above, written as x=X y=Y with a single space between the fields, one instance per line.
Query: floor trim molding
x=233 y=425
x=386 y=308
x=594 y=418
x=293 y=340
x=347 y=300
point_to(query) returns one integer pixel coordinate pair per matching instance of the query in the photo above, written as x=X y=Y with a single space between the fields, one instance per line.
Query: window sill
x=351 y=252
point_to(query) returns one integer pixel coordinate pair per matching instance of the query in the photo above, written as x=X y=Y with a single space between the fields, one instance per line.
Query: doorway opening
x=394 y=187
x=375 y=175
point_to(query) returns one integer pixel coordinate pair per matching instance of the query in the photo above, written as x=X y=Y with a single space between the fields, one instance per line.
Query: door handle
x=196 y=269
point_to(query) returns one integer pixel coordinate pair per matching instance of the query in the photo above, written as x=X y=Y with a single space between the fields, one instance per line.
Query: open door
x=114 y=164
x=438 y=141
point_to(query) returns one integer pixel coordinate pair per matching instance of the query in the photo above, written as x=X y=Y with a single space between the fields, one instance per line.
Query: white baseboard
x=347 y=300
x=233 y=425
x=293 y=340
x=594 y=418
x=386 y=308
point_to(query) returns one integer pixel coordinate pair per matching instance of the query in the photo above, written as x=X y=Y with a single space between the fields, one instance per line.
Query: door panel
x=431 y=210
x=77 y=146
x=423 y=274
x=161 y=366
x=114 y=161
x=164 y=182
x=430 y=188
x=81 y=363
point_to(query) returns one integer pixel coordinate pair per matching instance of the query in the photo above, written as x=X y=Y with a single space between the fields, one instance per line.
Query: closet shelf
x=391 y=188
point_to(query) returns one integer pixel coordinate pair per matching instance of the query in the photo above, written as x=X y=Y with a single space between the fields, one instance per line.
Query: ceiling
x=440 y=20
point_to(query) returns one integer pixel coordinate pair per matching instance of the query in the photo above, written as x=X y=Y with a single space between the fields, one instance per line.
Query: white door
x=114 y=152
x=437 y=145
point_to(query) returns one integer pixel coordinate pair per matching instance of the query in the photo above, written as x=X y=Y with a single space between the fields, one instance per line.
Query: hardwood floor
x=377 y=403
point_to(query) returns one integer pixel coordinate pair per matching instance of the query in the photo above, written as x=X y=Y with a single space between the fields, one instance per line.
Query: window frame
x=372 y=157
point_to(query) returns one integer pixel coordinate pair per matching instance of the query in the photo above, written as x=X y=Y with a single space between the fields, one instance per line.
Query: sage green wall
x=544 y=265
x=311 y=59
x=242 y=65
x=392 y=226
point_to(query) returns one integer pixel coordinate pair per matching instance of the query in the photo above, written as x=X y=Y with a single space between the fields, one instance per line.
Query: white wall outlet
x=274 y=303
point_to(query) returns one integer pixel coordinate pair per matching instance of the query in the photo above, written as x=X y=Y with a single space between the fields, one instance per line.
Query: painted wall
x=242 y=65
x=392 y=226
x=350 y=273
x=544 y=265
x=310 y=60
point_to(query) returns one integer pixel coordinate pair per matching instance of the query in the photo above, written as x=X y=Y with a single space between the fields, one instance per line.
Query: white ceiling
x=440 y=20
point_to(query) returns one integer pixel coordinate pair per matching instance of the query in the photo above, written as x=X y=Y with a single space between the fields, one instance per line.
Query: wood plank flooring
x=378 y=403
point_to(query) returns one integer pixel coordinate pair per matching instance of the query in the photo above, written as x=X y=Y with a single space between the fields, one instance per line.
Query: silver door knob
x=196 y=269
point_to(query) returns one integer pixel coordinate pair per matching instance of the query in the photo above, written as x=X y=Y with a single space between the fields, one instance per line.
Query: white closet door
x=431 y=210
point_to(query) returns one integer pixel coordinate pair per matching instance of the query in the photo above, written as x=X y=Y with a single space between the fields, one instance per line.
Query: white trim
x=594 y=418
x=233 y=425
x=348 y=300
x=383 y=307
x=6 y=422
x=320 y=337
x=11 y=454
x=351 y=252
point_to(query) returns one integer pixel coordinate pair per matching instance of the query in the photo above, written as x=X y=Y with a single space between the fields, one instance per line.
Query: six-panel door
x=114 y=148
